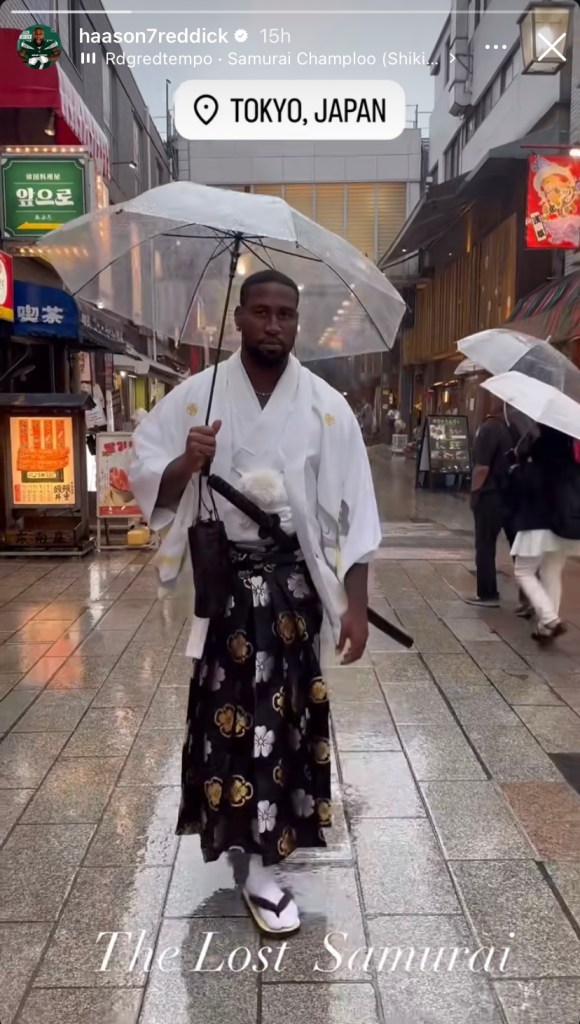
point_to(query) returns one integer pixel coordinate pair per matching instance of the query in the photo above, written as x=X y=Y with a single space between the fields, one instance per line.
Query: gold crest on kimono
x=318 y=691
x=241 y=791
x=213 y=792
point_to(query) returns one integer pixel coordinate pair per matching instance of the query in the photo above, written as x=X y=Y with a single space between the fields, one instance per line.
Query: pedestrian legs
x=551 y=571
x=489 y=520
x=524 y=609
x=542 y=600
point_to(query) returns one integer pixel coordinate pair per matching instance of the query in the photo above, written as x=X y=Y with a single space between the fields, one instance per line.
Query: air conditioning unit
x=458 y=109
x=460 y=72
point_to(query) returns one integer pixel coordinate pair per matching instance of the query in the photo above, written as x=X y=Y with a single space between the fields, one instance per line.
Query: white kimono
x=307 y=432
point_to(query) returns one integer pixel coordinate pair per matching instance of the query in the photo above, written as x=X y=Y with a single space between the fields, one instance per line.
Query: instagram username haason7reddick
x=130 y=952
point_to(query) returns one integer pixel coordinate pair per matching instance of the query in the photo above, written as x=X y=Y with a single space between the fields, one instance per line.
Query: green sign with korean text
x=40 y=194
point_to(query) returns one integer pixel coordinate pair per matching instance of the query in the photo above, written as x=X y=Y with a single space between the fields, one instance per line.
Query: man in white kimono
x=256 y=759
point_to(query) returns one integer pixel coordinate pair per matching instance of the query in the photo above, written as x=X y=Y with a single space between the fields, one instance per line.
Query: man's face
x=556 y=190
x=268 y=323
x=38 y=37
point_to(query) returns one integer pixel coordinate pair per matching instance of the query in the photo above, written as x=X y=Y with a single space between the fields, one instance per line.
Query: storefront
x=43 y=477
x=472 y=268
x=106 y=336
x=143 y=382
x=36 y=358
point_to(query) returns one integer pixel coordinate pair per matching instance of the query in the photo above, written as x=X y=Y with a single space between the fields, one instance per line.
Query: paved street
x=454 y=825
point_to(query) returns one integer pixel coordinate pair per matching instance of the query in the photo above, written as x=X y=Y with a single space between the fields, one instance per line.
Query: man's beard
x=268 y=359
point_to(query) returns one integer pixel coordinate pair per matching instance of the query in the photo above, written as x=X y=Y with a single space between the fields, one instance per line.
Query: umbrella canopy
x=467 y=368
x=501 y=350
x=540 y=401
x=162 y=260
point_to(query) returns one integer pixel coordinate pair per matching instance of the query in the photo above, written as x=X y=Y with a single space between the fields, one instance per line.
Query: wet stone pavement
x=455 y=827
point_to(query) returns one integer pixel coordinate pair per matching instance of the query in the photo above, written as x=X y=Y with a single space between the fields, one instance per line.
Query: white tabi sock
x=262 y=882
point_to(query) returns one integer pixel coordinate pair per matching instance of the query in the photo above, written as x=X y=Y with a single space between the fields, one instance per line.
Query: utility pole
x=169 y=131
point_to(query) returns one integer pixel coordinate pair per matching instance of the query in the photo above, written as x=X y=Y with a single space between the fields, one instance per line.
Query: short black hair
x=267 y=277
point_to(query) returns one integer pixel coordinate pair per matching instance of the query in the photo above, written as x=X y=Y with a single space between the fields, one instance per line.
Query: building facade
x=96 y=112
x=467 y=234
x=482 y=100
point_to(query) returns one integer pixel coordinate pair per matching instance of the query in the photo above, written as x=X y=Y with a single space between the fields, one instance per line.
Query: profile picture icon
x=39 y=46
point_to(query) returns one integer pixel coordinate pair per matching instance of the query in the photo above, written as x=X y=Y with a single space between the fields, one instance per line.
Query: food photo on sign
x=42 y=460
x=553 y=202
x=114 y=494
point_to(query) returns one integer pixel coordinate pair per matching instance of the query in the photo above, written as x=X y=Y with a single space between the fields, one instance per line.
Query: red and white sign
x=115 y=498
x=79 y=118
x=6 y=288
x=553 y=207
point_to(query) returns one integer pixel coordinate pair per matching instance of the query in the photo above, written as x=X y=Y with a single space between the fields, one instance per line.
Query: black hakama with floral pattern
x=256 y=757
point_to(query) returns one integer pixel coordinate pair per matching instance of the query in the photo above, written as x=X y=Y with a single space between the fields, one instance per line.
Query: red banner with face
x=553 y=206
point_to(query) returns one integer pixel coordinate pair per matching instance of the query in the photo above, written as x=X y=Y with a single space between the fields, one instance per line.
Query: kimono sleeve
x=157 y=441
x=360 y=527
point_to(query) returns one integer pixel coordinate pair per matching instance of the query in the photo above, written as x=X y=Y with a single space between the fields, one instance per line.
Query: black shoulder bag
x=210 y=558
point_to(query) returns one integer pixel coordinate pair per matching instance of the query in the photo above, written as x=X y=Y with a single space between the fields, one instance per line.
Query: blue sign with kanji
x=44 y=312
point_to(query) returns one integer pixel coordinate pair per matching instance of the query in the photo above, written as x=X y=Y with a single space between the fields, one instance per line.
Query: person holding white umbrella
x=548 y=514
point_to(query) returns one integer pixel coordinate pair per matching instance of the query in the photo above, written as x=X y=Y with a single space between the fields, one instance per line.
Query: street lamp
x=125 y=163
x=544 y=33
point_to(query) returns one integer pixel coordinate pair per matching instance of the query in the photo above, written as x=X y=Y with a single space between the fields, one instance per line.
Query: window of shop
x=468 y=129
x=508 y=72
x=453 y=158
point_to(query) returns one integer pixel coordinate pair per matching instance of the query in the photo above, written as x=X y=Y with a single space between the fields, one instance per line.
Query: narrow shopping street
x=454 y=824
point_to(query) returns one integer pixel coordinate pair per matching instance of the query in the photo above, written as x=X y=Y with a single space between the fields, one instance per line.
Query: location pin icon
x=206 y=108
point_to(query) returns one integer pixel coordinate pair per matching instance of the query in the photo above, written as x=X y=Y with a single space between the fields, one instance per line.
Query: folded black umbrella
x=270 y=527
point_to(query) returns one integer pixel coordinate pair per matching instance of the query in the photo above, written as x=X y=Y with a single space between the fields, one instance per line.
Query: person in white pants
x=540 y=578
x=548 y=526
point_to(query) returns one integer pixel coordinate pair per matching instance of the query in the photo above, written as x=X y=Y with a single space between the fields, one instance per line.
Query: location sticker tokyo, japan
x=289 y=109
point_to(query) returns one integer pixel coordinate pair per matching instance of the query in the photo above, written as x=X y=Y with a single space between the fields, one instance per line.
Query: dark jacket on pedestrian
x=564 y=482
x=529 y=487
x=493 y=445
x=548 y=486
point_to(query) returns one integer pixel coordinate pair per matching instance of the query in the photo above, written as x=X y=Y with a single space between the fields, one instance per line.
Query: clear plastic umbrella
x=500 y=350
x=171 y=258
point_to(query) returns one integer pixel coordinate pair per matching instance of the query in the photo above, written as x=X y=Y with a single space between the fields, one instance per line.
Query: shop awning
x=100 y=329
x=21 y=88
x=552 y=311
x=442 y=204
x=439 y=204
x=133 y=362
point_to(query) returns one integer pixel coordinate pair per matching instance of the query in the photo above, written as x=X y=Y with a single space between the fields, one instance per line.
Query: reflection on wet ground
x=454 y=827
